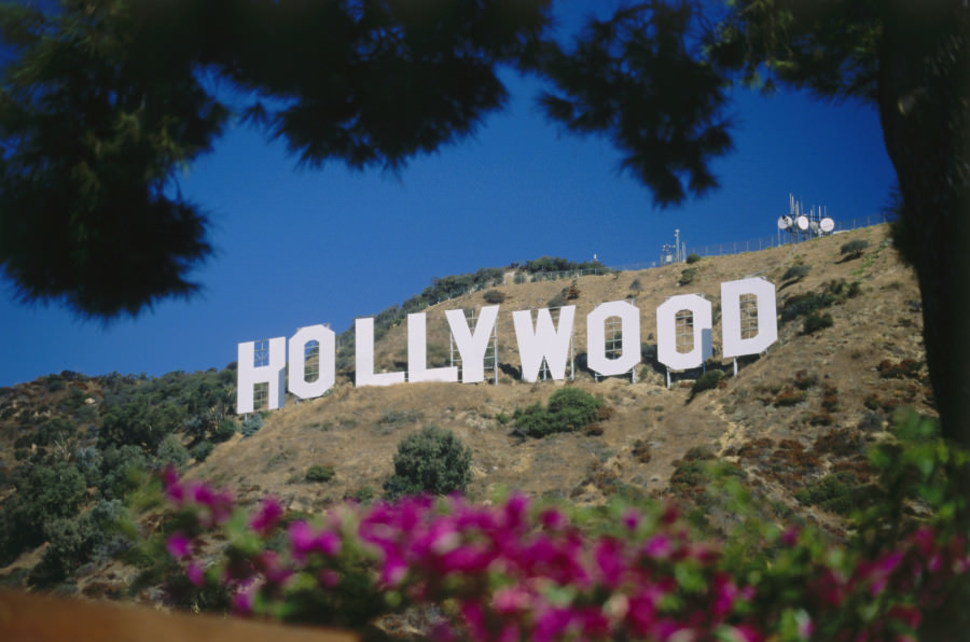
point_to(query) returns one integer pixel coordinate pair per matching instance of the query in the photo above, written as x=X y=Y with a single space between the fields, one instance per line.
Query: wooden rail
x=30 y=617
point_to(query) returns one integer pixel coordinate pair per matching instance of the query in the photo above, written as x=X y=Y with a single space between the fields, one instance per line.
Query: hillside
x=794 y=421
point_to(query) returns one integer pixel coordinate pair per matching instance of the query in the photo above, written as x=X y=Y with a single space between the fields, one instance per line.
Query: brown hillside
x=356 y=430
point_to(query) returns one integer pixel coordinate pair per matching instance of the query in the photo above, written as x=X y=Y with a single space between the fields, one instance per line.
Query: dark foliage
x=569 y=409
x=430 y=461
x=104 y=101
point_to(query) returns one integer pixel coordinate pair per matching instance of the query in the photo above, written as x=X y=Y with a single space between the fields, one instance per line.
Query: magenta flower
x=194 y=572
x=327 y=543
x=179 y=546
x=301 y=538
x=553 y=519
x=270 y=512
x=658 y=547
x=631 y=519
x=201 y=493
x=608 y=554
x=393 y=570
x=242 y=602
x=329 y=578
x=510 y=600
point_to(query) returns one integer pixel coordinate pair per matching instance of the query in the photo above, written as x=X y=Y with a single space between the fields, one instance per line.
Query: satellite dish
x=827 y=225
x=802 y=222
x=784 y=222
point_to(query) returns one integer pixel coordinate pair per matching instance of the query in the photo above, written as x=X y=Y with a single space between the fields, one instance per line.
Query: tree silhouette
x=103 y=100
x=653 y=79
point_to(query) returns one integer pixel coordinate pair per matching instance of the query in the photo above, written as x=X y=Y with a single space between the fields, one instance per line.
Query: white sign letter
x=248 y=374
x=472 y=347
x=418 y=354
x=596 y=338
x=546 y=341
x=700 y=309
x=364 y=338
x=327 y=348
x=764 y=292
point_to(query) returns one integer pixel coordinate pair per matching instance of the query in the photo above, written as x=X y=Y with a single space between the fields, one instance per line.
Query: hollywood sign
x=545 y=340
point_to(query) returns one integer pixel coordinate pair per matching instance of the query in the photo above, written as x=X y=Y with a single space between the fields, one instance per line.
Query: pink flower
x=394 y=570
x=658 y=547
x=194 y=572
x=631 y=520
x=242 y=602
x=301 y=538
x=327 y=543
x=268 y=516
x=790 y=536
x=553 y=519
x=608 y=554
x=179 y=546
x=174 y=490
x=201 y=493
x=509 y=600
x=329 y=578
x=516 y=512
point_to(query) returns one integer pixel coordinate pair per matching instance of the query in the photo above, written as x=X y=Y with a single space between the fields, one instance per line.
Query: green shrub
x=816 y=321
x=687 y=276
x=226 y=429
x=250 y=424
x=201 y=451
x=854 y=249
x=569 y=409
x=519 y=278
x=171 y=451
x=318 y=473
x=55 y=383
x=840 y=492
x=796 y=272
x=493 y=296
x=706 y=381
x=70 y=543
x=44 y=493
x=557 y=301
x=430 y=461
x=693 y=258
x=120 y=468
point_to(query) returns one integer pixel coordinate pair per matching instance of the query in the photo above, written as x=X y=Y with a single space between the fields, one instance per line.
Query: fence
x=753 y=245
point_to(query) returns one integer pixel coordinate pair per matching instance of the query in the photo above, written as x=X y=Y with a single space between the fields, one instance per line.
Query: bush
x=706 y=381
x=687 y=276
x=569 y=409
x=693 y=258
x=519 y=278
x=201 y=451
x=557 y=301
x=251 y=424
x=796 y=272
x=493 y=296
x=816 y=321
x=854 y=249
x=171 y=451
x=226 y=429
x=319 y=473
x=44 y=493
x=431 y=461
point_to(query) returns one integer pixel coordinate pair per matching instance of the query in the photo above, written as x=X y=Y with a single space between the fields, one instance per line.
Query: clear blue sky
x=297 y=247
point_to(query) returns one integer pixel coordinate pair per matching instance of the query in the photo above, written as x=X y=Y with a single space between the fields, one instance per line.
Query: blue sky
x=297 y=247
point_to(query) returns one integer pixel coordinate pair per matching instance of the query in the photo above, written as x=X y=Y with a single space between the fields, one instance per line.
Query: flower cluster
x=515 y=570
